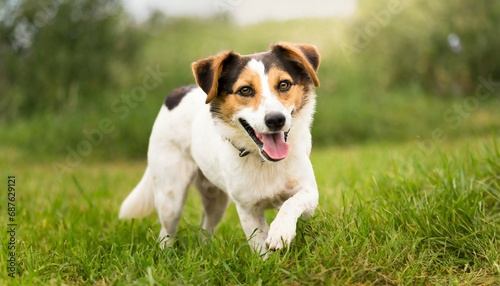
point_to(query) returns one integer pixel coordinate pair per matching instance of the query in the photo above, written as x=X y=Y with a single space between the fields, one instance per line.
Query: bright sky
x=244 y=12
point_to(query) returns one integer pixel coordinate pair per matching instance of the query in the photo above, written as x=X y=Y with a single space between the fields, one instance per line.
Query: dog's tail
x=140 y=202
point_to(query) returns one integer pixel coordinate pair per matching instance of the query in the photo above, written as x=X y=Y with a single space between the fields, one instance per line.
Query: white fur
x=188 y=145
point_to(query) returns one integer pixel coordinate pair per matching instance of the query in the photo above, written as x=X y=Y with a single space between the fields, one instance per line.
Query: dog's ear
x=208 y=71
x=305 y=54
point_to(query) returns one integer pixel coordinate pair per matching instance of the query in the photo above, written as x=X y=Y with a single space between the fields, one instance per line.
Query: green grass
x=388 y=214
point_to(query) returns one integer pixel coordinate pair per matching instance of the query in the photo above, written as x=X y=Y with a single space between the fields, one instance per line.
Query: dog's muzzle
x=273 y=146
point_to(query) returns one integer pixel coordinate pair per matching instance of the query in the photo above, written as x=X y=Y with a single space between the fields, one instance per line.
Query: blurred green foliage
x=440 y=46
x=55 y=55
x=379 y=76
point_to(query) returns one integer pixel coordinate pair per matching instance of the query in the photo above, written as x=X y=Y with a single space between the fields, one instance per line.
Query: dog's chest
x=251 y=185
x=260 y=186
x=274 y=199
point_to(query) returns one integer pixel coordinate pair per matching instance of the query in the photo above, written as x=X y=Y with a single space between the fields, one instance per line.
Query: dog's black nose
x=275 y=120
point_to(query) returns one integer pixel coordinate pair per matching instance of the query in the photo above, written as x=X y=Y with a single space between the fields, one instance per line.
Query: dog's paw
x=280 y=235
x=165 y=240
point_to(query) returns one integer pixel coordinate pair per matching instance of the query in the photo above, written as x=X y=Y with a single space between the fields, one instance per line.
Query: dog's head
x=257 y=96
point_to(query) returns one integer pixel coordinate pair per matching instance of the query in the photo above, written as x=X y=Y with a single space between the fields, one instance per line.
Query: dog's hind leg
x=214 y=201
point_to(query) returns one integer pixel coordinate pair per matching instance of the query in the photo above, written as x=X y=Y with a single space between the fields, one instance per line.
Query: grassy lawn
x=388 y=214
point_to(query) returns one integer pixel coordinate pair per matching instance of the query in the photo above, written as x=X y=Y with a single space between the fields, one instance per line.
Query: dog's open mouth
x=273 y=146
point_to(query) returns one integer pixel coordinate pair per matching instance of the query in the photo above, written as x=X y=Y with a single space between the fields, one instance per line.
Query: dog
x=242 y=134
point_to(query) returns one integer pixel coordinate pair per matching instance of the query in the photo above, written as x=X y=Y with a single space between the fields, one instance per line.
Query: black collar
x=243 y=152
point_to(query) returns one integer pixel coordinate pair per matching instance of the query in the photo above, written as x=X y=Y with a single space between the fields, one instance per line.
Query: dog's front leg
x=255 y=226
x=283 y=228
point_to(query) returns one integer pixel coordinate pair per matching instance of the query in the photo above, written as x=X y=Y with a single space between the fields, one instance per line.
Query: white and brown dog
x=249 y=141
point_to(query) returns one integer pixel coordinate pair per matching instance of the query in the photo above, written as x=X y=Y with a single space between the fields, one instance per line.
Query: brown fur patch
x=294 y=96
x=307 y=55
x=234 y=102
x=207 y=72
x=291 y=184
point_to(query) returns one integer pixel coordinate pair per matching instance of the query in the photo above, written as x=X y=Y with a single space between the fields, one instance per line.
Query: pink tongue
x=275 y=145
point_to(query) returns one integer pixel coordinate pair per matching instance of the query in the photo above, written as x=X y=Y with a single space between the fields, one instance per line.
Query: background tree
x=55 y=54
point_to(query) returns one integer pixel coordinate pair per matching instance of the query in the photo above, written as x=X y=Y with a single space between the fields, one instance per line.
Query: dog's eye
x=284 y=85
x=245 y=91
